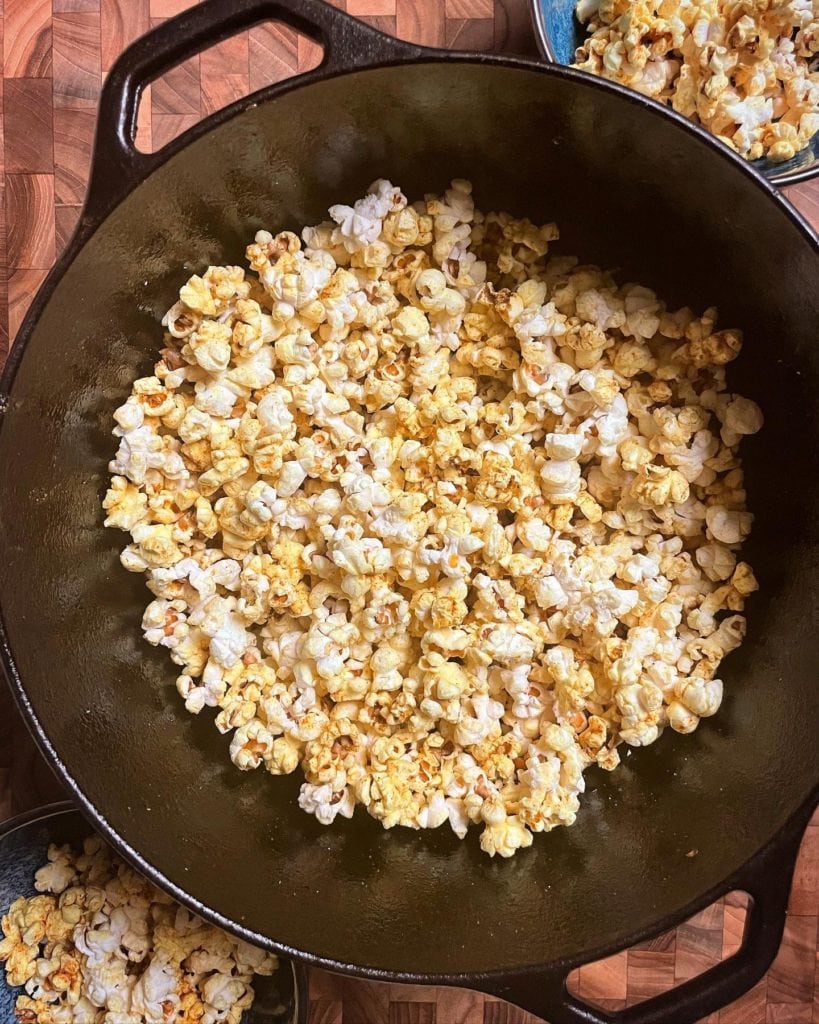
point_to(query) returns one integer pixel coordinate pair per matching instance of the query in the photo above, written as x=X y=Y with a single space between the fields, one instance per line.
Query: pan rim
x=88 y=226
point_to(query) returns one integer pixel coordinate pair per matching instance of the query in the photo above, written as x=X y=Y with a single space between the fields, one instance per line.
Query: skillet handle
x=766 y=878
x=118 y=167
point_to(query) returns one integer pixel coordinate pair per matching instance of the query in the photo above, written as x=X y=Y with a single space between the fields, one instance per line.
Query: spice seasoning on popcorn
x=435 y=516
x=102 y=945
x=747 y=70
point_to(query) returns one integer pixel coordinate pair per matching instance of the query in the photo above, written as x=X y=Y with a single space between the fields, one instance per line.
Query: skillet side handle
x=118 y=167
x=766 y=878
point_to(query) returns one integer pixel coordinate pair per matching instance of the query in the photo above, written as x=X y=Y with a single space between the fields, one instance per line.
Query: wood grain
x=30 y=221
x=55 y=54
x=168 y=8
x=364 y=8
x=606 y=979
x=73 y=137
x=470 y=33
x=456 y=9
x=422 y=21
x=77 y=61
x=179 y=91
x=27 y=39
x=733 y=922
x=65 y=222
x=121 y=21
x=273 y=54
x=225 y=73
x=28 y=112
x=75 y=6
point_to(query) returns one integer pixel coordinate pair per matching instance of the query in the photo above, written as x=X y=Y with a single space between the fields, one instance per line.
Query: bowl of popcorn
x=84 y=939
x=409 y=516
x=747 y=72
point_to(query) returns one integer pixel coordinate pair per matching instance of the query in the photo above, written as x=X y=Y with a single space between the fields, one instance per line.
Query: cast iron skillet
x=633 y=186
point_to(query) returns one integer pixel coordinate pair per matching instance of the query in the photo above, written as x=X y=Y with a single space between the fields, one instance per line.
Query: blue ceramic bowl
x=24 y=843
x=559 y=33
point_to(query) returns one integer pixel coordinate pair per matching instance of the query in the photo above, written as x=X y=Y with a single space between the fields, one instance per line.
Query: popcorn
x=743 y=72
x=434 y=516
x=125 y=504
x=730 y=526
x=75 y=950
x=742 y=416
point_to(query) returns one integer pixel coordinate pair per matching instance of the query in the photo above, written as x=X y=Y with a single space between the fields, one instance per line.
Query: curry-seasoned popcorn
x=744 y=69
x=436 y=516
x=102 y=945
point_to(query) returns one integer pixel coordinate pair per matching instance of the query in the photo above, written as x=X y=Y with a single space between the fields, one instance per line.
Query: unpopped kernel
x=102 y=945
x=744 y=69
x=435 y=516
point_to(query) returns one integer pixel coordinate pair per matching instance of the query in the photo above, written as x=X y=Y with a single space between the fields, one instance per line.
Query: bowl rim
x=780 y=180
x=40 y=813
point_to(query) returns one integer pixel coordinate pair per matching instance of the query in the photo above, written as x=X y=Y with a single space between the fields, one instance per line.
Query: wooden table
x=55 y=54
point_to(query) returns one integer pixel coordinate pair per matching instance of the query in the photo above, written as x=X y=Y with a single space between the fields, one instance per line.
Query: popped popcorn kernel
x=434 y=517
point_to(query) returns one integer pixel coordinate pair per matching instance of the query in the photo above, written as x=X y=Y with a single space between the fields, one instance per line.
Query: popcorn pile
x=747 y=70
x=437 y=517
x=105 y=946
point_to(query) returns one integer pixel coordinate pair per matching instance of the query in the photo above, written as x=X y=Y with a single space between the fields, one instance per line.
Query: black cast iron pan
x=632 y=186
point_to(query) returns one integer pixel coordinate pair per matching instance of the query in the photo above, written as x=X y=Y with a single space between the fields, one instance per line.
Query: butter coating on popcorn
x=102 y=945
x=435 y=516
x=744 y=69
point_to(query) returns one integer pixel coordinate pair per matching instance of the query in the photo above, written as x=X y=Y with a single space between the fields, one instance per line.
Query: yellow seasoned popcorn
x=435 y=516
x=102 y=945
x=744 y=69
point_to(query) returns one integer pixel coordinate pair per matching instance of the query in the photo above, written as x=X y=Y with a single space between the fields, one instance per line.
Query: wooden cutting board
x=55 y=54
